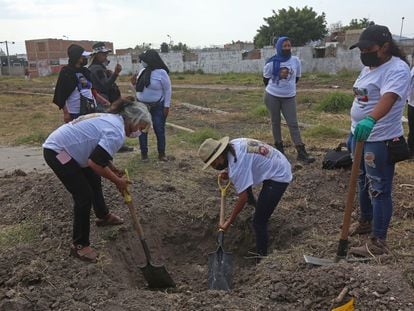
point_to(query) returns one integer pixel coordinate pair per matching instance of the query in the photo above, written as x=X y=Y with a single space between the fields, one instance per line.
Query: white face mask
x=135 y=134
x=144 y=64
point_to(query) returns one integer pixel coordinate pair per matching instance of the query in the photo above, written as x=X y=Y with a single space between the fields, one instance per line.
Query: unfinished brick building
x=46 y=56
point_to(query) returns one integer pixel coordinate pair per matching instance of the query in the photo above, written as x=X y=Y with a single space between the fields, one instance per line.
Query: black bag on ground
x=337 y=158
x=397 y=149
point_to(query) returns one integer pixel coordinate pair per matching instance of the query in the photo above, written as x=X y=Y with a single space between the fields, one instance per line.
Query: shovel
x=220 y=263
x=156 y=275
x=343 y=241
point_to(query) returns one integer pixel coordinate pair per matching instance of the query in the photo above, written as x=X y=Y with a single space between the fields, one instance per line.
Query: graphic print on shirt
x=361 y=95
x=258 y=147
x=83 y=83
x=286 y=73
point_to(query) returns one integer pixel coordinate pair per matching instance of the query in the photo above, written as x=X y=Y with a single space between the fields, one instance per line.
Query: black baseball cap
x=373 y=34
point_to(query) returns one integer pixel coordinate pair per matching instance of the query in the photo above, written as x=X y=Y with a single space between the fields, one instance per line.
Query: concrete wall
x=224 y=61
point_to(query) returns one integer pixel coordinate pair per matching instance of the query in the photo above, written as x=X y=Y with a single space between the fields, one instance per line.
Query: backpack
x=337 y=158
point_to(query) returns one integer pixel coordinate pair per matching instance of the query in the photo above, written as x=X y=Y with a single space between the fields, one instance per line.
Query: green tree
x=300 y=25
x=357 y=24
x=164 y=47
x=180 y=47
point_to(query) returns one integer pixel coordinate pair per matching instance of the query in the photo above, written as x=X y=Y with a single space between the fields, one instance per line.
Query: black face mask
x=286 y=53
x=84 y=62
x=370 y=59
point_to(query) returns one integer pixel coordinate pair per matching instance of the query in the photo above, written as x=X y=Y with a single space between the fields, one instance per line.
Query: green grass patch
x=323 y=131
x=336 y=102
x=11 y=236
x=32 y=138
x=259 y=112
x=199 y=136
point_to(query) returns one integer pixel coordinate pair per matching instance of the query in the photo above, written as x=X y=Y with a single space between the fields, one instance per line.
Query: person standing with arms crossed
x=280 y=76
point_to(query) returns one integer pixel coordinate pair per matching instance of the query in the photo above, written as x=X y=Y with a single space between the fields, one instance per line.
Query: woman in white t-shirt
x=380 y=95
x=81 y=152
x=410 y=115
x=250 y=162
x=280 y=75
x=153 y=88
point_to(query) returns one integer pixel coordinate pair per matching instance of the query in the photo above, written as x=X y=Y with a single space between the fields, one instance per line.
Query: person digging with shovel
x=80 y=153
x=248 y=162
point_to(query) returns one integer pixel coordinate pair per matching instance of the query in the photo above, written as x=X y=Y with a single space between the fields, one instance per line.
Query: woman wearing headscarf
x=153 y=88
x=280 y=75
x=80 y=153
x=380 y=94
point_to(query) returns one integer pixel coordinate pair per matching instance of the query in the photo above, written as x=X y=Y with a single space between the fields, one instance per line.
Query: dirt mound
x=179 y=215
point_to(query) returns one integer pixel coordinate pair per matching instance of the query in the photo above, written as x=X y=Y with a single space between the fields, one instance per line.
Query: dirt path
x=21 y=158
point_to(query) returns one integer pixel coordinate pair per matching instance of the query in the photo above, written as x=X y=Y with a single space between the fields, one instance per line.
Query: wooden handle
x=135 y=221
x=223 y=189
x=352 y=190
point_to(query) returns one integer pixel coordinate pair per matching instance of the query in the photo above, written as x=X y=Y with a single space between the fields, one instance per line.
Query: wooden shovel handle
x=223 y=189
x=352 y=190
x=134 y=216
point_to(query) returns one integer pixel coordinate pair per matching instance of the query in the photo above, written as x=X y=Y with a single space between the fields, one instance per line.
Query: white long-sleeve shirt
x=159 y=88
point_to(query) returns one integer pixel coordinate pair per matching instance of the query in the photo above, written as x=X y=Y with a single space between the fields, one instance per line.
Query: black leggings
x=86 y=189
x=269 y=197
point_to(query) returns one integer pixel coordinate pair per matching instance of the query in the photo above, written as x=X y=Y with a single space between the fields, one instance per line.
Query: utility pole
x=7 y=51
x=402 y=23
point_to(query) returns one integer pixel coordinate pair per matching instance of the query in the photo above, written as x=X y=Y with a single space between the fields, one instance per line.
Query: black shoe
x=125 y=148
x=279 y=146
x=144 y=157
x=303 y=156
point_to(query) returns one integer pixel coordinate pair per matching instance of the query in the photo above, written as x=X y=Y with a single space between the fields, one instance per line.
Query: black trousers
x=86 y=189
x=410 y=139
x=269 y=197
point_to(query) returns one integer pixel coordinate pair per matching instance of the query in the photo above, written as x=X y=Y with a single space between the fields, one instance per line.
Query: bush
x=336 y=102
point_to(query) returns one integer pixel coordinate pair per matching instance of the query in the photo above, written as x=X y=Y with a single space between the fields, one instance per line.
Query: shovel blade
x=220 y=270
x=157 y=276
x=317 y=261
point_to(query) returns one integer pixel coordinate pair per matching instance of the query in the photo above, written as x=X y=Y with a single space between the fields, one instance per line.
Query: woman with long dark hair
x=153 y=88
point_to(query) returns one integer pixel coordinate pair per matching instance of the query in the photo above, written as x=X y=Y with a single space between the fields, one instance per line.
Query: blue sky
x=198 y=23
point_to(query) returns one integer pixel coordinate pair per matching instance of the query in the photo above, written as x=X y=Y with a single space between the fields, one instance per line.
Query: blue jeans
x=269 y=197
x=375 y=186
x=158 y=123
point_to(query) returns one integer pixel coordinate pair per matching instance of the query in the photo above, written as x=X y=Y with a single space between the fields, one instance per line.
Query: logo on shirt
x=361 y=95
x=258 y=147
x=286 y=73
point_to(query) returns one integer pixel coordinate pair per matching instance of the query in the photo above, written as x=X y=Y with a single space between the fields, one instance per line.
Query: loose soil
x=178 y=205
x=179 y=214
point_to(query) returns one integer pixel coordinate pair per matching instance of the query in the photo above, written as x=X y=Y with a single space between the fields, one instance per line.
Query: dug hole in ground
x=179 y=213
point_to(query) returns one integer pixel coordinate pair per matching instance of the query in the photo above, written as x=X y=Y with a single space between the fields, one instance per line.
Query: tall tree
x=357 y=24
x=300 y=25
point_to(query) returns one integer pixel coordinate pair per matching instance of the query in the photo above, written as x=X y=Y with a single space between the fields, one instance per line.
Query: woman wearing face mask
x=81 y=152
x=153 y=88
x=250 y=162
x=380 y=95
x=73 y=92
x=280 y=75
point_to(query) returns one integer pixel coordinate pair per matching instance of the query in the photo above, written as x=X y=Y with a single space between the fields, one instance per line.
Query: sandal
x=109 y=220
x=84 y=253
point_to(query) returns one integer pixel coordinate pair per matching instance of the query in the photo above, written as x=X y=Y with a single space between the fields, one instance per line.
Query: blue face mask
x=144 y=64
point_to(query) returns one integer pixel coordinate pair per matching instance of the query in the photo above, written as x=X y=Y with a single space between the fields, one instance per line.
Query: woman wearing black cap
x=153 y=88
x=380 y=94
x=73 y=91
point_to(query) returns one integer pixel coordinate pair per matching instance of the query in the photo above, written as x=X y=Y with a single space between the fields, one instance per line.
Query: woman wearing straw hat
x=250 y=162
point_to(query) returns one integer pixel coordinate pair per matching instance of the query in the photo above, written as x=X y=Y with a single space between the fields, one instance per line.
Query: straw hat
x=210 y=150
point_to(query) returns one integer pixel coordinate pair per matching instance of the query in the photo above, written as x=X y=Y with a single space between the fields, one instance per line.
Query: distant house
x=47 y=56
